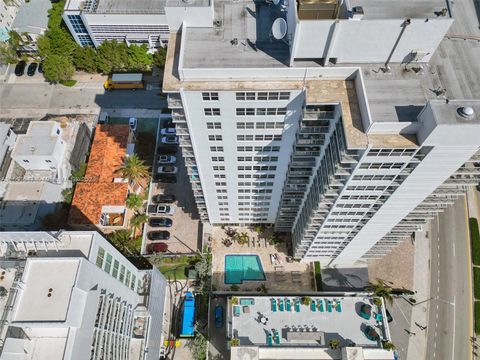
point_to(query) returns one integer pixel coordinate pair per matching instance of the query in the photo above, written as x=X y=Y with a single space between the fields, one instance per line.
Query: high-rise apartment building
x=282 y=121
x=74 y=296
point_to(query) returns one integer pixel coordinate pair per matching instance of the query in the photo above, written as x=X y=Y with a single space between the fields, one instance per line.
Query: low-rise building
x=41 y=149
x=99 y=200
x=7 y=141
x=77 y=298
x=31 y=22
x=343 y=326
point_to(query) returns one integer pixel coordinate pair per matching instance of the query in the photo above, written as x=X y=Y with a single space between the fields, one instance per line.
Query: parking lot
x=185 y=232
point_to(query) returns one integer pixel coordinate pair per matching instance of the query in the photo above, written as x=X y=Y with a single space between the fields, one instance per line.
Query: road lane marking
x=453 y=247
x=469 y=272
x=453 y=342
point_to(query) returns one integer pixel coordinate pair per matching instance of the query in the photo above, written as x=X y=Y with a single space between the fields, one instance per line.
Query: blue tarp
x=188 y=315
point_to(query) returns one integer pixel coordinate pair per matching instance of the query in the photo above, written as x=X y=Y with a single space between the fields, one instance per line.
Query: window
x=272 y=95
x=210 y=96
x=214 y=125
x=216 y=148
x=127 y=279
x=214 y=137
x=108 y=263
x=211 y=111
x=116 y=265
x=48 y=161
x=100 y=256
x=132 y=284
x=122 y=273
x=218 y=158
x=220 y=183
x=218 y=168
x=26 y=161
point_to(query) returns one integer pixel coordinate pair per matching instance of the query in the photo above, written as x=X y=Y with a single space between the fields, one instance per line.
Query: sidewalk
x=417 y=345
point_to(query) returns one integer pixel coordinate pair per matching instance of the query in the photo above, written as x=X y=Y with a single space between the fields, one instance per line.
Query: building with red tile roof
x=99 y=199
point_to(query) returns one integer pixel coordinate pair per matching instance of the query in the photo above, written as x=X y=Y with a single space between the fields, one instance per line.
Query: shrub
x=318 y=276
x=477 y=317
x=234 y=287
x=68 y=83
x=377 y=301
x=306 y=300
x=475 y=240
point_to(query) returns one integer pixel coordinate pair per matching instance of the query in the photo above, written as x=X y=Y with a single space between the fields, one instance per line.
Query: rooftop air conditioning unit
x=357 y=13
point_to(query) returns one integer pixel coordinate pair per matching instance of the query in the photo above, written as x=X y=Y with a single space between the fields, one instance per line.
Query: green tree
x=8 y=54
x=159 y=57
x=121 y=239
x=112 y=56
x=137 y=221
x=134 y=169
x=138 y=57
x=134 y=201
x=379 y=288
x=58 y=68
x=198 y=346
x=85 y=58
x=387 y=345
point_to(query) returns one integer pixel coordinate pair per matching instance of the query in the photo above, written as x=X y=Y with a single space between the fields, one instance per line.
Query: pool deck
x=346 y=325
x=281 y=277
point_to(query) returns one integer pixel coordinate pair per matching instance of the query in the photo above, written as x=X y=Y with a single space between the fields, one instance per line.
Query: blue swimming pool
x=240 y=268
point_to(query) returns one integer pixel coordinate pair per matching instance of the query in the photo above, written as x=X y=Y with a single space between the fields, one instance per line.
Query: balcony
x=174 y=101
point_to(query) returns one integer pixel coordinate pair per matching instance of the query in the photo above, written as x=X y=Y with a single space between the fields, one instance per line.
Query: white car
x=170 y=140
x=168 y=131
x=167 y=169
x=161 y=210
x=167 y=159
x=132 y=122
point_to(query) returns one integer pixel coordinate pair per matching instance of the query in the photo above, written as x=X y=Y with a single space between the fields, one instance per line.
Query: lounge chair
x=320 y=305
x=276 y=337
x=339 y=306
x=329 y=305
x=313 y=305
x=274 y=305
x=269 y=339
x=288 y=304
x=297 y=305
x=281 y=306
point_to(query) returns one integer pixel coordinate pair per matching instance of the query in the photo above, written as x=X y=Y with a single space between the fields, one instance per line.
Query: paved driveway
x=218 y=337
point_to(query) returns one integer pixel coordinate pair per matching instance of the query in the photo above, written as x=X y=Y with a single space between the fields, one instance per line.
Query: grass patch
x=68 y=83
x=175 y=267
x=477 y=317
x=476 y=282
x=318 y=276
x=475 y=240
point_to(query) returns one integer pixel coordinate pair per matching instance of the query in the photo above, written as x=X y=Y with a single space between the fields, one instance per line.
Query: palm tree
x=137 y=221
x=121 y=239
x=134 y=169
x=379 y=288
x=134 y=201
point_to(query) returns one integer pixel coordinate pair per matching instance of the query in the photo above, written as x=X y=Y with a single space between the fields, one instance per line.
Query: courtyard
x=281 y=273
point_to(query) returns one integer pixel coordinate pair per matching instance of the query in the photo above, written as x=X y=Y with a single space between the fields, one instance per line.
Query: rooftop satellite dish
x=279 y=28
x=276 y=2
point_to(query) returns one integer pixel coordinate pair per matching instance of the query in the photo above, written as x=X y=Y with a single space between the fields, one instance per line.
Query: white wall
x=368 y=41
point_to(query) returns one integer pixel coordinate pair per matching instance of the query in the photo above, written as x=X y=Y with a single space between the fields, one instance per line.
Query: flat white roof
x=47 y=289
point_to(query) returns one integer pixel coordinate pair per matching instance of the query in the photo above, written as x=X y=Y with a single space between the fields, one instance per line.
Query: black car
x=168 y=179
x=163 y=198
x=158 y=235
x=40 y=68
x=20 y=68
x=31 y=69
x=389 y=316
x=160 y=222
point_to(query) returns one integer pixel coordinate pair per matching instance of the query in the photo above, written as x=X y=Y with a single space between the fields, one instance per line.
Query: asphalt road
x=37 y=97
x=450 y=311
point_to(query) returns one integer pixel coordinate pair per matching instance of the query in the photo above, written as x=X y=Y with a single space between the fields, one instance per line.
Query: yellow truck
x=124 y=81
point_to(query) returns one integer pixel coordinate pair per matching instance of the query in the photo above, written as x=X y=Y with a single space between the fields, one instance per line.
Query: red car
x=158 y=247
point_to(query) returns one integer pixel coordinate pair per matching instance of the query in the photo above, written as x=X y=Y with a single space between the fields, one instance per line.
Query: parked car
x=160 y=222
x=20 y=68
x=158 y=235
x=167 y=179
x=167 y=123
x=158 y=247
x=167 y=169
x=161 y=209
x=167 y=159
x=31 y=69
x=132 y=122
x=40 y=67
x=168 y=131
x=218 y=316
x=163 y=198
x=170 y=140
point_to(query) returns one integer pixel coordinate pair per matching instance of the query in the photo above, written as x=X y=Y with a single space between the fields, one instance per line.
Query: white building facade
x=78 y=298
x=282 y=131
